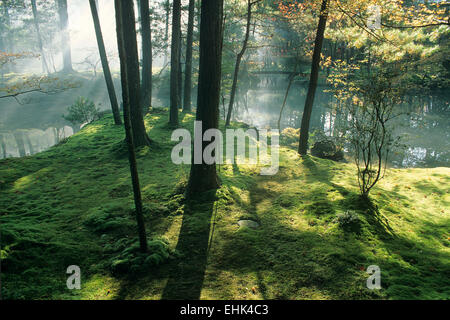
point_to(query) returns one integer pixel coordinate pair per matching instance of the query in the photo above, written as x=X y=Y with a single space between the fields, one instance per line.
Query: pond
x=423 y=126
x=38 y=124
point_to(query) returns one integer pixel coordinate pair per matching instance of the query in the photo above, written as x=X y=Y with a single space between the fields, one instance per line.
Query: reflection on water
x=424 y=127
x=21 y=143
x=425 y=130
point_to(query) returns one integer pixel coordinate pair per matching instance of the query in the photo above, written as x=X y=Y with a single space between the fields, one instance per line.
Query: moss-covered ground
x=73 y=205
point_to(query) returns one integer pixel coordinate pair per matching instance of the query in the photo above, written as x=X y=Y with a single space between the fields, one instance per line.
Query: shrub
x=327 y=149
x=289 y=137
x=370 y=129
x=129 y=260
x=83 y=111
x=346 y=219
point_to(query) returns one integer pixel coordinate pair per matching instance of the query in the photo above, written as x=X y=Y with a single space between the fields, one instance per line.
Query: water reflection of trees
x=424 y=124
x=25 y=142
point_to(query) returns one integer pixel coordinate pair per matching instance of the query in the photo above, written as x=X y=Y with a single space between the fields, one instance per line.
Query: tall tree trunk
x=180 y=73
x=291 y=79
x=238 y=62
x=124 y=11
x=203 y=177
x=147 y=60
x=188 y=65
x=105 y=65
x=39 y=38
x=9 y=37
x=304 y=131
x=65 y=36
x=128 y=24
x=166 y=34
x=175 y=63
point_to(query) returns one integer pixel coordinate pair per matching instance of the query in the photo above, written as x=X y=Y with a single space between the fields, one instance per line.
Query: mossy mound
x=129 y=259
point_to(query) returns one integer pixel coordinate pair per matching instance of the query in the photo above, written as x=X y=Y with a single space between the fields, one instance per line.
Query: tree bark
x=124 y=11
x=203 y=177
x=65 y=36
x=105 y=65
x=291 y=79
x=188 y=65
x=128 y=26
x=166 y=35
x=147 y=60
x=238 y=62
x=9 y=37
x=175 y=63
x=180 y=73
x=304 y=131
x=39 y=38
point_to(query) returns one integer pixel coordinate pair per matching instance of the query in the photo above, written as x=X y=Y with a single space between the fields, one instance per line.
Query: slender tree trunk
x=180 y=73
x=128 y=24
x=166 y=35
x=175 y=63
x=188 y=65
x=124 y=11
x=238 y=63
x=65 y=36
x=203 y=177
x=304 y=131
x=291 y=80
x=39 y=38
x=9 y=37
x=147 y=60
x=105 y=65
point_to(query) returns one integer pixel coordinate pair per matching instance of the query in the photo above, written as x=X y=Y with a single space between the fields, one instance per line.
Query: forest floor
x=73 y=205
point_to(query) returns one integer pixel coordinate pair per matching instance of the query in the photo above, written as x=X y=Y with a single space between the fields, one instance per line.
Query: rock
x=248 y=223
x=327 y=149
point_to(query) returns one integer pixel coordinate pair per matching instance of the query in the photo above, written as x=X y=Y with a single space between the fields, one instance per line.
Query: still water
x=423 y=127
x=34 y=127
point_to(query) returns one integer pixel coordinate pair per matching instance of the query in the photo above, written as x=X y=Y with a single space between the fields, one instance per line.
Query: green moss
x=73 y=205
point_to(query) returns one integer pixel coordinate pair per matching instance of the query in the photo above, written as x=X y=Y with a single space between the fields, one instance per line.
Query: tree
x=203 y=176
x=65 y=36
x=239 y=59
x=290 y=81
x=166 y=6
x=147 y=59
x=304 y=130
x=28 y=84
x=188 y=66
x=128 y=25
x=39 y=38
x=9 y=41
x=105 y=65
x=124 y=12
x=370 y=129
x=175 y=63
